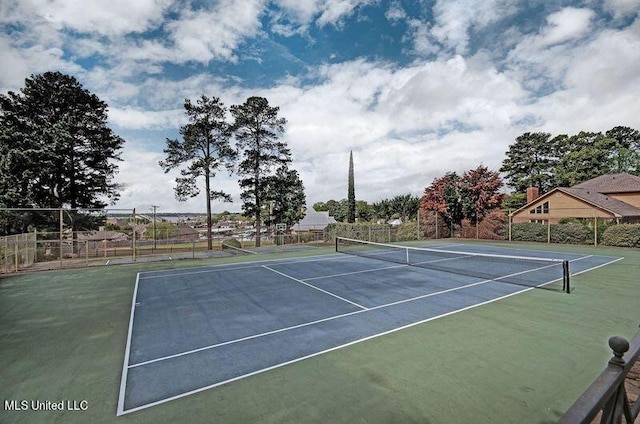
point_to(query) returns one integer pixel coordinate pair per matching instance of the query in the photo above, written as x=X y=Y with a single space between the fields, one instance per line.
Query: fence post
x=15 y=245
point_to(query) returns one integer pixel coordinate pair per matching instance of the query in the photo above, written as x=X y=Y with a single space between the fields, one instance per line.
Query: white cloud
x=544 y=58
x=450 y=94
x=16 y=64
x=419 y=35
x=334 y=10
x=567 y=24
x=115 y=17
x=295 y=16
x=455 y=18
x=406 y=126
x=201 y=36
x=395 y=12
x=131 y=118
x=600 y=85
x=299 y=11
x=622 y=8
x=145 y=184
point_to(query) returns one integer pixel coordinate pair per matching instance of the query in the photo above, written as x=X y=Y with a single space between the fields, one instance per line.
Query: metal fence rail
x=53 y=250
x=17 y=251
x=607 y=394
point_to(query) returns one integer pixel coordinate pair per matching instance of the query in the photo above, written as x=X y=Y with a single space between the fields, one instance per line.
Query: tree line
x=403 y=207
x=533 y=160
x=57 y=151
x=544 y=161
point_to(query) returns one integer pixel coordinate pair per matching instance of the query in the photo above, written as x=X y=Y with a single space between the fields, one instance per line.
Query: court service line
x=315 y=287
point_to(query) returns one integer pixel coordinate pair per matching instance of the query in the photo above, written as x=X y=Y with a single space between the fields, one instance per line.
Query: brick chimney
x=532 y=194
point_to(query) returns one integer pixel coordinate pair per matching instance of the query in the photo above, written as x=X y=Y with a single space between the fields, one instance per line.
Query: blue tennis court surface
x=197 y=328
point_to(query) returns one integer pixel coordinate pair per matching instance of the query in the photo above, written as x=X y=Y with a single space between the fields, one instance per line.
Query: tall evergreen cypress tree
x=351 y=196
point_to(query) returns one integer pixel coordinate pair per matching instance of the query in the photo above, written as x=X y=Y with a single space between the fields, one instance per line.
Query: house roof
x=612 y=183
x=103 y=235
x=314 y=221
x=602 y=201
x=596 y=192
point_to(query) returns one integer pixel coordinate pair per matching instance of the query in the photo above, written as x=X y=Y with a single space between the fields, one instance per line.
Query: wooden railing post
x=608 y=393
x=618 y=405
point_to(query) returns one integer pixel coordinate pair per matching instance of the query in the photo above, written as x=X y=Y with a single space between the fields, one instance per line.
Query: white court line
x=595 y=267
x=342 y=274
x=125 y=367
x=314 y=287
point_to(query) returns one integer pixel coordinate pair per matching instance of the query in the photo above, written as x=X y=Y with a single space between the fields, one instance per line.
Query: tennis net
x=232 y=250
x=521 y=270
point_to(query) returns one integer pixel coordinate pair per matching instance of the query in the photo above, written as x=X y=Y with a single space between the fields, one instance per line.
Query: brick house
x=611 y=197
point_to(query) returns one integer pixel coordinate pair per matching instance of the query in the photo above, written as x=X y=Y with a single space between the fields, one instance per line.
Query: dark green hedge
x=623 y=235
x=569 y=233
x=529 y=231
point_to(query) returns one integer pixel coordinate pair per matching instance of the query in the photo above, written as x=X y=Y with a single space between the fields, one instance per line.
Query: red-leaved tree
x=445 y=197
x=482 y=193
x=470 y=197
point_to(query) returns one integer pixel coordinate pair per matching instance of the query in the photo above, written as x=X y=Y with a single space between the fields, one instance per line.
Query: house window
x=543 y=208
x=538 y=221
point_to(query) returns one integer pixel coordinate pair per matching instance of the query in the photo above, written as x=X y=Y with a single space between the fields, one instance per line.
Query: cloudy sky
x=414 y=88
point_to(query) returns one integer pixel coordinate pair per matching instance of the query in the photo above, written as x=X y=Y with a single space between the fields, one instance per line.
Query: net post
x=336 y=244
x=566 y=276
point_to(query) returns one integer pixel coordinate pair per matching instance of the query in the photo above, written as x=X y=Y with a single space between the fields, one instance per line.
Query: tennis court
x=198 y=328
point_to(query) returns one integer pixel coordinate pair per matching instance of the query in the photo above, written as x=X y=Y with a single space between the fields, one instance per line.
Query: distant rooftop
x=612 y=183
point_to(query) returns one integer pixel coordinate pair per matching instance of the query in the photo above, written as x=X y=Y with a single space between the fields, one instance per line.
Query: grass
x=521 y=359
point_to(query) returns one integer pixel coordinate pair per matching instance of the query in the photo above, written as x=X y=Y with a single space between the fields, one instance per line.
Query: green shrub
x=623 y=235
x=232 y=242
x=529 y=231
x=572 y=232
x=574 y=221
x=407 y=231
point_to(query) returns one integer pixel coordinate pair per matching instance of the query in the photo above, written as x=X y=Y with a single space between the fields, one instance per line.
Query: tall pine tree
x=257 y=129
x=204 y=148
x=56 y=147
